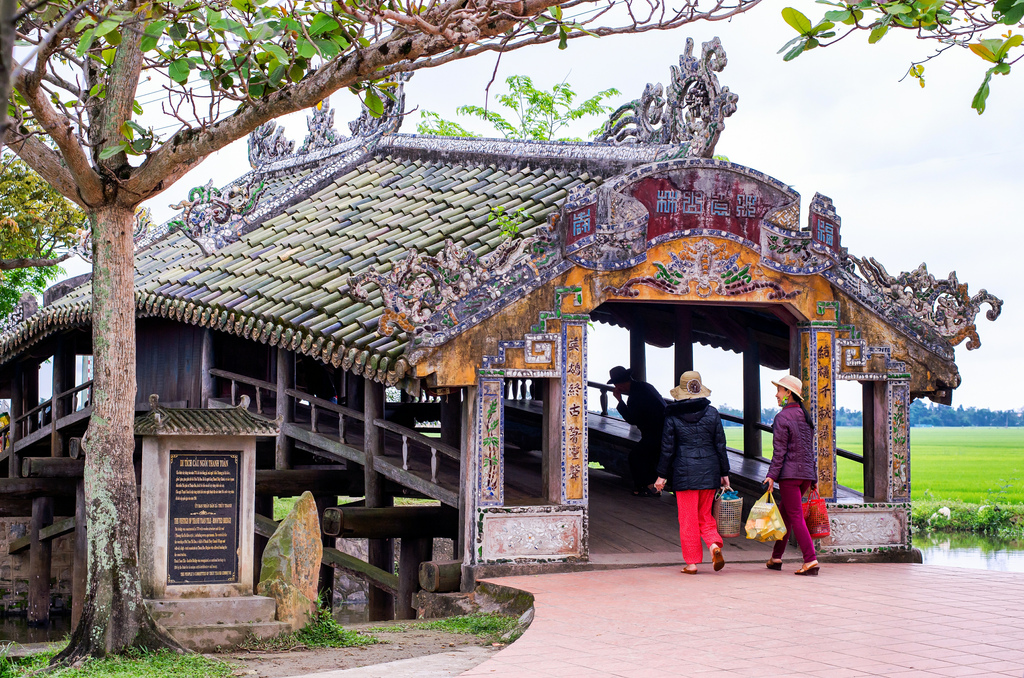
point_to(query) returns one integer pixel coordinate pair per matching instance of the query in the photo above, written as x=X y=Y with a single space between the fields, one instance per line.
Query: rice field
x=972 y=464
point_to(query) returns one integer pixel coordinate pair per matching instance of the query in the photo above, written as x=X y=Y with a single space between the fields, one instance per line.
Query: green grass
x=137 y=664
x=485 y=625
x=1005 y=521
x=323 y=631
x=972 y=464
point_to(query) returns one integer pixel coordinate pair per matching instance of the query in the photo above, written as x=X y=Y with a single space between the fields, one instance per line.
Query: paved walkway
x=852 y=620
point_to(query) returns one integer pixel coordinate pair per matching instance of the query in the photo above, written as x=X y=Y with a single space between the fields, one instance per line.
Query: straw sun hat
x=791 y=384
x=690 y=386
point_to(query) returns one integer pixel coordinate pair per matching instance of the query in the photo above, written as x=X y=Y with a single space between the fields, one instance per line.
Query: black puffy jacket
x=693 y=446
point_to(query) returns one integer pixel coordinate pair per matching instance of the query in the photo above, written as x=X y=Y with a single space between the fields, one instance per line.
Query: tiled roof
x=359 y=208
x=234 y=421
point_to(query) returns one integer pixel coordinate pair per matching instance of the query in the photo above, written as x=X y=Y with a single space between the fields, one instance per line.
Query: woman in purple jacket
x=794 y=468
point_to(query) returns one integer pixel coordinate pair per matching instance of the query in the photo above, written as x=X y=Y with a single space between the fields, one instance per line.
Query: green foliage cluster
x=133 y=664
x=322 y=631
x=509 y=221
x=537 y=114
x=949 y=22
x=487 y=626
x=36 y=222
x=1005 y=521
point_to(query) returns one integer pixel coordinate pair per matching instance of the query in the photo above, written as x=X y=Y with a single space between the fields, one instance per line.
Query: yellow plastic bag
x=764 y=523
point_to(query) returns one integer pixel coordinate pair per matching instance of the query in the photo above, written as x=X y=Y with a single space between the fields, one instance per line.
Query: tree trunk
x=114 y=617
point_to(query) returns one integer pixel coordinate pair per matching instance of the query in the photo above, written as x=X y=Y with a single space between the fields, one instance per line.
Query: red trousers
x=696 y=523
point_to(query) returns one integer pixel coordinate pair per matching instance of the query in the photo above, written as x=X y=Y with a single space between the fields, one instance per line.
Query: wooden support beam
x=58 y=529
x=52 y=467
x=638 y=348
x=683 y=348
x=413 y=552
x=30 y=488
x=17 y=407
x=58 y=384
x=80 y=562
x=390 y=523
x=551 y=442
x=751 y=400
x=325 y=582
x=376 y=577
x=380 y=552
x=285 y=412
x=264 y=506
x=441 y=576
x=39 y=560
x=292 y=483
x=875 y=432
x=206 y=364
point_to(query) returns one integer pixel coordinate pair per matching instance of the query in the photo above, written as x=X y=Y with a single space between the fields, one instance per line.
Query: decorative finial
x=693 y=113
x=154 y=401
x=321 y=128
x=267 y=143
x=212 y=218
x=243 y=402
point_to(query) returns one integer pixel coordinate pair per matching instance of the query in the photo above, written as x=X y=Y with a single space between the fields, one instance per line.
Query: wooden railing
x=66 y=400
x=605 y=389
x=739 y=420
x=33 y=420
x=315 y=405
x=409 y=435
x=518 y=389
x=258 y=385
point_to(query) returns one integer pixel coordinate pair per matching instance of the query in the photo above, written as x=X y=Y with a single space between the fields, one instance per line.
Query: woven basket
x=816 y=516
x=729 y=516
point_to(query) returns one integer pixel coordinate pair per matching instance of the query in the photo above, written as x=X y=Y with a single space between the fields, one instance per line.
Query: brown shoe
x=809 y=569
x=687 y=570
x=717 y=558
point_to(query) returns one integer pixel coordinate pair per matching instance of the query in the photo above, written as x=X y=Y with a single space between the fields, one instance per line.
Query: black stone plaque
x=203 y=533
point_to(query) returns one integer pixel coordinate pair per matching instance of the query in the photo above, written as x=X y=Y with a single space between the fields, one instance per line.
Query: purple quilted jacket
x=792 y=446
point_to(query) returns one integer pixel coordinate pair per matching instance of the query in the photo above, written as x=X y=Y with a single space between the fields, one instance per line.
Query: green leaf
x=327 y=47
x=305 y=48
x=982 y=50
x=1001 y=69
x=277 y=51
x=897 y=8
x=178 y=32
x=795 y=52
x=797 y=20
x=838 y=15
x=84 y=23
x=97 y=89
x=111 y=151
x=878 y=32
x=85 y=43
x=822 y=27
x=563 y=38
x=140 y=145
x=178 y=70
x=108 y=56
x=1013 y=41
x=374 y=104
x=108 y=24
x=296 y=72
x=136 y=107
x=152 y=35
x=978 y=103
x=322 y=23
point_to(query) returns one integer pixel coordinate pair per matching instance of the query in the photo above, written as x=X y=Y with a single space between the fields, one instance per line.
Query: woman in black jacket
x=693 y=451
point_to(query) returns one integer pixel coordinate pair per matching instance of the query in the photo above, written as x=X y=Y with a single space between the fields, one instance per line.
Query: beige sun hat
x=690 y=386
x=791 y=384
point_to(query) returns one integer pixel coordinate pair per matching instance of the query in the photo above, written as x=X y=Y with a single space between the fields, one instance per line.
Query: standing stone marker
x=197 y=526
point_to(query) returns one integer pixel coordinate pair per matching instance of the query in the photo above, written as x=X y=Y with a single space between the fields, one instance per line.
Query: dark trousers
x=643 y=464
x=790 y=495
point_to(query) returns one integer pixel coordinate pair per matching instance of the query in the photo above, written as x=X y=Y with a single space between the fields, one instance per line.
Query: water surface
x=971 y=550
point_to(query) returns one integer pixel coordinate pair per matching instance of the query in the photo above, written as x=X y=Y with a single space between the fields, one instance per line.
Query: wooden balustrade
x=315 y=404
x=258 y=385
x=433 y=444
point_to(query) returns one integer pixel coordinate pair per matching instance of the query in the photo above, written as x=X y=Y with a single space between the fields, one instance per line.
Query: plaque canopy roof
x=234 y=421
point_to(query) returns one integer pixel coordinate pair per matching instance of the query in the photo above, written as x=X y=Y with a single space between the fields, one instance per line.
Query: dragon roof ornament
x=321 y=128
x=945 y=306
x=691 y=111
x=212 y=218
x=268 y=143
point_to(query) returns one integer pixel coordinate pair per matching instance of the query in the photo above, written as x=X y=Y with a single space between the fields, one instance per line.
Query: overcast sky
x=915 y=174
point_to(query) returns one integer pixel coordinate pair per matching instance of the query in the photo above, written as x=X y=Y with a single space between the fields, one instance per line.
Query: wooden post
x=81 y=554
x=17 y=407
x=264 y=506
x=285 y=380
x=451 y=418
x=875 y=428
x=206 y=364
x=325 y=584
x=467 y=485
x=684 y=342
x=353 y=400
x=551 y=439
x=380 y=551
x=58 y=384
x=413 y=552
x=751 y=399
x=39 y=563
x=638 y=349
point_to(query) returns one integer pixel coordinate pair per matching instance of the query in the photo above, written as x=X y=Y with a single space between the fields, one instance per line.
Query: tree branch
x=11 y=264
x=47 y=163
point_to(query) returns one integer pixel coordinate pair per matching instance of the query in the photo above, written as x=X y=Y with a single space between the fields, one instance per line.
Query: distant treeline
x=921 y=414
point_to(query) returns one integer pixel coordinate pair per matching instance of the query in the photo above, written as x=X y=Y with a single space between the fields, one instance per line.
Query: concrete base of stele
x=209 y=624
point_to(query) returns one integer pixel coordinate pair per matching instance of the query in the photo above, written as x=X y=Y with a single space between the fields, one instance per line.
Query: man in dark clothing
x=645 y=409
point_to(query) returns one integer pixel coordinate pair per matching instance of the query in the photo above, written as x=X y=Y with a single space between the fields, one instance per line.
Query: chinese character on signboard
x=825 y=233
x=581 y=222
x=692 y=202
x=746 y=205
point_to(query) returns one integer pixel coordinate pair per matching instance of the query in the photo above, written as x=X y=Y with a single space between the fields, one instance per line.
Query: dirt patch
x=393 y=646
